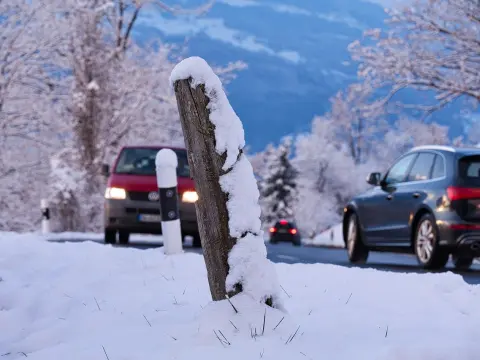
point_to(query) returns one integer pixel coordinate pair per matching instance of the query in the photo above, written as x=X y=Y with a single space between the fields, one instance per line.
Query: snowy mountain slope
x=296 y=53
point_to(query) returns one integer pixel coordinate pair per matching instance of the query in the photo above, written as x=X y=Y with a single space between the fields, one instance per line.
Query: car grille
x=139 y=196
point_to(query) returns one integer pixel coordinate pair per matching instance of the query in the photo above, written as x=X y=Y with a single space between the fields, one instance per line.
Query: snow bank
x=247 y=261
x=81 y=301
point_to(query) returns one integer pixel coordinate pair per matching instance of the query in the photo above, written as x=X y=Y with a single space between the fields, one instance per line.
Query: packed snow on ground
x=90 y=301
x=331 y=237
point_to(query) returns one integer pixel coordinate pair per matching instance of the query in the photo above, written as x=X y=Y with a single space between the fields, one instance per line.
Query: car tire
x=297 y=242
x=197 y=241
x=123 y=237
x=356 y=249
x=110 y=236
x=429 y=254
x=462 y=262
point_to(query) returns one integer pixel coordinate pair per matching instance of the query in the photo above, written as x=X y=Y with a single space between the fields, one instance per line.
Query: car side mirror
x=374 y=178
x=105 y=170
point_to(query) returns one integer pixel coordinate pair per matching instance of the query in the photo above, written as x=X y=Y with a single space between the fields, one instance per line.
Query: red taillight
x=272 y=229
x=283 y=222
x=293 y=231
x=459 y=193
x=464 y=226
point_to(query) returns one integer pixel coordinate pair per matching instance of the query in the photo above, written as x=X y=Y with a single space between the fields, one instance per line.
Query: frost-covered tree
x=118 y=95
x=278 y=184
x=407 y=133
x=357 y=122
x=327 y=176
x=28 y=103
x=431 y=45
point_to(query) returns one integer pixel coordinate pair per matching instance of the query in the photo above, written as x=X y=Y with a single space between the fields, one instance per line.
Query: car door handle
x=389 y=197
x=416 y=195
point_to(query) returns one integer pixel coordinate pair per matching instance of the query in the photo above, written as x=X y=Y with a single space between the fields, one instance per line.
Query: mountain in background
x=296 y=54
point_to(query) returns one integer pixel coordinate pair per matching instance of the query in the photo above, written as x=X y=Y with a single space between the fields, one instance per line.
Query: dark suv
x=428 y=203
x=285 y=231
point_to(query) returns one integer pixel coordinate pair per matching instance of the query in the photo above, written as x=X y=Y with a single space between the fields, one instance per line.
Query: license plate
x=282 y=231
x=149 y=218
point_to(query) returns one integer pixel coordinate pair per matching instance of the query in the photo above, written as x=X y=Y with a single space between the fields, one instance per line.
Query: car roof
x=462 y=151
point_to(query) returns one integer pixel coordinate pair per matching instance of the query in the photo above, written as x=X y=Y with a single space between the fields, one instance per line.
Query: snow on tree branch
x=433 y=45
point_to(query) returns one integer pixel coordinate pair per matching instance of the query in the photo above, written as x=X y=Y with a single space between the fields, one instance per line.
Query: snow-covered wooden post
x=45 y=216
x=227 y=208
x=166 y=163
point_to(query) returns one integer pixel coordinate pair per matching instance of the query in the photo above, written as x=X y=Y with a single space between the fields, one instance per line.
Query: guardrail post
x=166 y=163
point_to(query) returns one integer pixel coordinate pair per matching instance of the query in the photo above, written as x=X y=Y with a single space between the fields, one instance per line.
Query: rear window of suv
x=469 y=170
x=141 y=161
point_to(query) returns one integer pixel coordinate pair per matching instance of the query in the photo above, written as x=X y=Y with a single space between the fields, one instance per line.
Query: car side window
x=420 y=170
x=438 y=170
x=398 y=172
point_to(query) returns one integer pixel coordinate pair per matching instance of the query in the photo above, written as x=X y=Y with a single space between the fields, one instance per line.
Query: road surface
x=286 y=253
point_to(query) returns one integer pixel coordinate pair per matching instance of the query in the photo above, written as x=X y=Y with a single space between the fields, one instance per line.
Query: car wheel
x=197 y=242
x=297 y=242
x=356 y=249
x=110 y=236
x=429 y=254
x=123 y=237
x=462 y=262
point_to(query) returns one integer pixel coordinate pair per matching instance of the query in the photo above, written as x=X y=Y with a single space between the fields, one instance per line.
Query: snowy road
x=286 y=253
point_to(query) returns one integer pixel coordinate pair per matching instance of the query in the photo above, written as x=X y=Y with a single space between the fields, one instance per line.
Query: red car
x=132 y=200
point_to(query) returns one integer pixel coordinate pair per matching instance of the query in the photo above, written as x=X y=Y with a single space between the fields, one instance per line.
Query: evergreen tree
x=278 y=185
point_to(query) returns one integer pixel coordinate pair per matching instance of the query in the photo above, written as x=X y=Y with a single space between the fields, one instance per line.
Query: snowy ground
x=326 y=239
x=89 y=301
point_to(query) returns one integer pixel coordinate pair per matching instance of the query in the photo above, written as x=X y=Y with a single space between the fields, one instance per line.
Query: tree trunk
x=206 y=168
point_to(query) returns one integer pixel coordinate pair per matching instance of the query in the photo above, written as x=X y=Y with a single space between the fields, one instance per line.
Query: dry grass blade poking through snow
x=228 y=211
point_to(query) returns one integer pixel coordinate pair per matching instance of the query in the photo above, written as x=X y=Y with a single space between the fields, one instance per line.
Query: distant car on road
x=285 y=231
x=428 y=203
x=132 y=198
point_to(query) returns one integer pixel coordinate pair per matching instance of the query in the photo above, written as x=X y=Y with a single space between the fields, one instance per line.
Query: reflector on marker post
x=166 y=164
x=45 y=216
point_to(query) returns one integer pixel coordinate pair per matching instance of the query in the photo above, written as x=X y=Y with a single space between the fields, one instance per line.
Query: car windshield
x=284 y=225
x=141 y=161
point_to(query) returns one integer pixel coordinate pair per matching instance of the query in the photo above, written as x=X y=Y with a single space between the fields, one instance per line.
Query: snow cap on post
x=229 y=133
x=166 y=163
x=249 y=270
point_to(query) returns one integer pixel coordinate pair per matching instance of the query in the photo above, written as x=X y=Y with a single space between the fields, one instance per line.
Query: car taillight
x=460 y=193
x=283 y=222
x=464 y=226
x=293 y=231
x=272 y=230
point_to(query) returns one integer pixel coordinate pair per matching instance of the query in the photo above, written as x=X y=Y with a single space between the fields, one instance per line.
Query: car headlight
x=190 y=196
x=115 y=193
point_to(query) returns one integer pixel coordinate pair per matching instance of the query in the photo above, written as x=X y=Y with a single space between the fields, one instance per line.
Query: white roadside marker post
x=166 y=163
x=45 y=216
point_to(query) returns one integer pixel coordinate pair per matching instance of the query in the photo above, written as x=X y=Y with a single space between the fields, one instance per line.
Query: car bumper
x=462 y=238
x=125 y=215
x=283 y=237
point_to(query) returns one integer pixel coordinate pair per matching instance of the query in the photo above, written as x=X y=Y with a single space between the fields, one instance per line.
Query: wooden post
x=206 y=166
